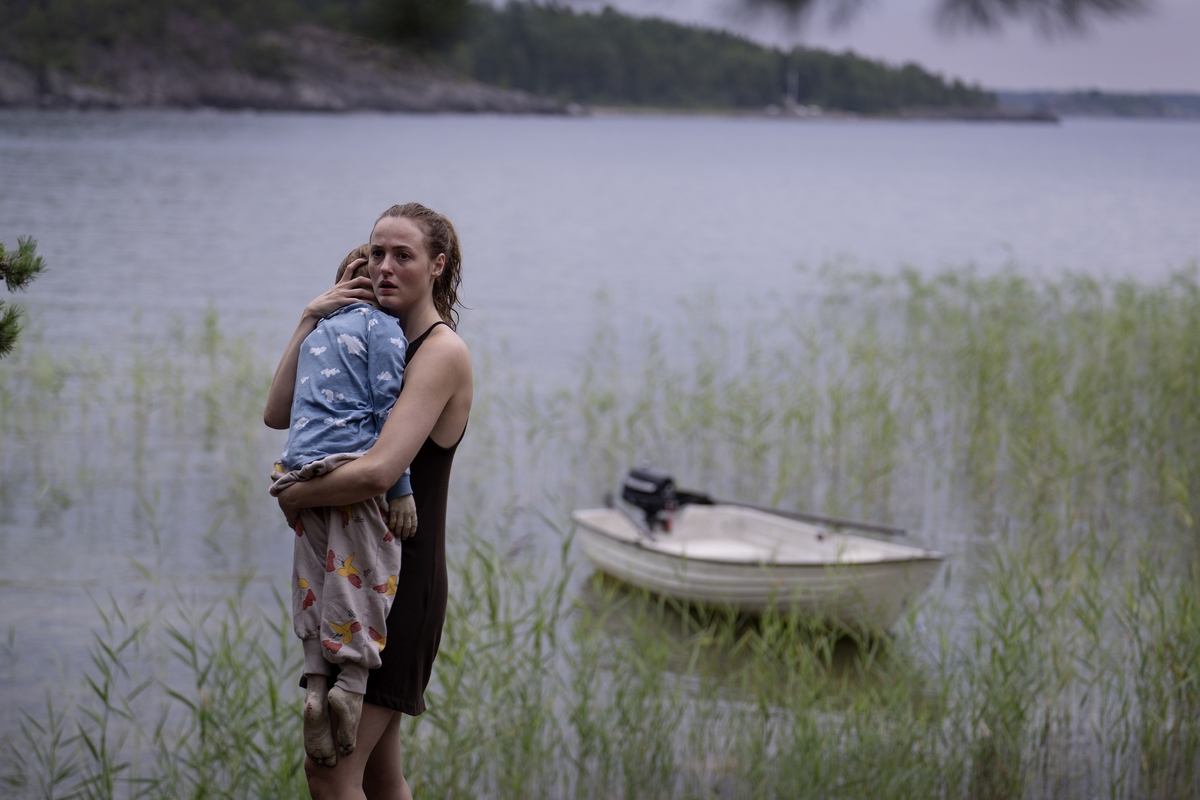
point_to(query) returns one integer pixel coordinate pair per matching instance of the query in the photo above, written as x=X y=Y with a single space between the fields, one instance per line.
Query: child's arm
x=402 y=509
x=443 y=370
x=401 y=487
x=386 y=355
x=279 y=399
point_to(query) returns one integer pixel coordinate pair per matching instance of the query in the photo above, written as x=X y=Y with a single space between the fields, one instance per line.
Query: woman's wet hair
x=440 y=238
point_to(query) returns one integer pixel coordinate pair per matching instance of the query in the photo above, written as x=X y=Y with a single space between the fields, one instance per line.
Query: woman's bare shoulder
x=442 y=370
x=445 y=349
x=446 y=342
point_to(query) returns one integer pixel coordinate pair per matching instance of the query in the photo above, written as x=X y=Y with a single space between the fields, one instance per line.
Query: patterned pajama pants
x=344 y=571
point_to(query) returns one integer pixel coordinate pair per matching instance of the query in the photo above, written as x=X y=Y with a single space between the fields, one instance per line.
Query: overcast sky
x=1158 y=51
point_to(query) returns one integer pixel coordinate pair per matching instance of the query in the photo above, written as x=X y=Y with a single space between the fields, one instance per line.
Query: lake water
x=160 y=214
x=148 y=220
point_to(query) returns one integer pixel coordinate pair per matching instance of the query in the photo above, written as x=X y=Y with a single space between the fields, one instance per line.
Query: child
x=346 y=560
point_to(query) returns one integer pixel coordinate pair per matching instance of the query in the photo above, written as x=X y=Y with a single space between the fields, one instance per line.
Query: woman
x=415 y=268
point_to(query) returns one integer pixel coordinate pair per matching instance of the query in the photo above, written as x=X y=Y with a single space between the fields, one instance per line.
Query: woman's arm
x=279 y=400
x=441 y=371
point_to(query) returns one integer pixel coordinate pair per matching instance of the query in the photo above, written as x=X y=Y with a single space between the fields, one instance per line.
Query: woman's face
x=400 y=267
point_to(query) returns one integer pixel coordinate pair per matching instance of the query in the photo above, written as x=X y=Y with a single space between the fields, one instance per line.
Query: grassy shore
x=1046 y=433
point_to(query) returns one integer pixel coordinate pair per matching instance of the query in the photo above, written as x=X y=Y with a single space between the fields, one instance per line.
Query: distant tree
x=610 y=58
x=420 y=24
x=17 y=269
x=56 y=34
x=1048 y=16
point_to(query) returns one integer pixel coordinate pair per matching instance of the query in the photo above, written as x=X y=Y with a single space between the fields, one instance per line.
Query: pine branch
x=10 y=327
x=19 y=268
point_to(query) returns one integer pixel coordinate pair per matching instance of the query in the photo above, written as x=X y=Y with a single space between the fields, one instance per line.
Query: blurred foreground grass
x=1046 y=434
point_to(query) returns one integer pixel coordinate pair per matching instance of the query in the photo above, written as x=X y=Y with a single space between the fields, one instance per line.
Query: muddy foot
x=347 y=708
x=318 y=736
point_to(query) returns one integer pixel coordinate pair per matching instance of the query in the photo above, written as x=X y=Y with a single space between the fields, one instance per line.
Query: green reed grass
x=1046 y=433
x=221 y=722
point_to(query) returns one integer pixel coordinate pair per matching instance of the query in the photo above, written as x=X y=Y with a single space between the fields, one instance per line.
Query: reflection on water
x=154 y=215
x=719 y=643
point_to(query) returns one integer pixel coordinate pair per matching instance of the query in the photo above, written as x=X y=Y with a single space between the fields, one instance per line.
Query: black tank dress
x=414 y=625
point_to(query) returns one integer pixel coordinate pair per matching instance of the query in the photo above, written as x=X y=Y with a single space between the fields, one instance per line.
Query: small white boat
x=754 y=560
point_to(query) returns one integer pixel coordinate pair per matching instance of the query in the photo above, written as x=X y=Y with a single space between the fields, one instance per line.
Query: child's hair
x=362 y=251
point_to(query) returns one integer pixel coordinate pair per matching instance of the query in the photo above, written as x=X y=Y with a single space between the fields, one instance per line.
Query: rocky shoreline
x=307 y=68
x=203 y=64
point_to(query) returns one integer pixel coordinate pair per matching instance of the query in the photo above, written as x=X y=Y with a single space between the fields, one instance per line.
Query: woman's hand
x=349 y=267
x=402 y=516
x=290 y=512
x=347 y=290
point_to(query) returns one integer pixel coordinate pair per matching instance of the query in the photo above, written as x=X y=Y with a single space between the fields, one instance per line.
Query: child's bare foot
x=318 y=737
x=347 y=708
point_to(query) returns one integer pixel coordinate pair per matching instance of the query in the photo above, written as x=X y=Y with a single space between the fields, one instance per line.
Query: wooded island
x=419 y=55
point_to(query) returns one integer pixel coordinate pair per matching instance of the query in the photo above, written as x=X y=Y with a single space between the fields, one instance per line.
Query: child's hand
x=402 y=516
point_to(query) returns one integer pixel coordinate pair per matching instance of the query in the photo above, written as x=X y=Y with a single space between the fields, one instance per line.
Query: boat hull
x=873 y=594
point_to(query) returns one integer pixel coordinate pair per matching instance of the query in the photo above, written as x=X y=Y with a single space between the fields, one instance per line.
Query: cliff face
x=307 y=68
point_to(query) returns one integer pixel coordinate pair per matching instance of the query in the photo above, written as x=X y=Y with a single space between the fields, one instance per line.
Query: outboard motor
x=651 y=491
x=654 y=492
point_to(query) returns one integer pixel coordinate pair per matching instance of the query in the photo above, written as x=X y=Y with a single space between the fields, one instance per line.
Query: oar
x=820 y=519
x=638 y=525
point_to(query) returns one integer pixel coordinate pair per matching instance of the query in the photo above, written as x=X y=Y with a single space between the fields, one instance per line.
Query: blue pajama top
x=348 y=377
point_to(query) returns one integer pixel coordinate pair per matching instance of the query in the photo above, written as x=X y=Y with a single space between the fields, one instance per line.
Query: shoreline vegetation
x=816 y=113
x=1094 y=103
x=341 y=55
x=1047 y=430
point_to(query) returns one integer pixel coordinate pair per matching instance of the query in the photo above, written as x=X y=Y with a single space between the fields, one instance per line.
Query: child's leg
x=310 y=566
x=310 y=559
x=363 y=563
x=308 y=578
x=318 y=733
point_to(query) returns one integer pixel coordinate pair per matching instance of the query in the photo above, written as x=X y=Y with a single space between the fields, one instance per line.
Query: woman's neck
x=417 y=320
